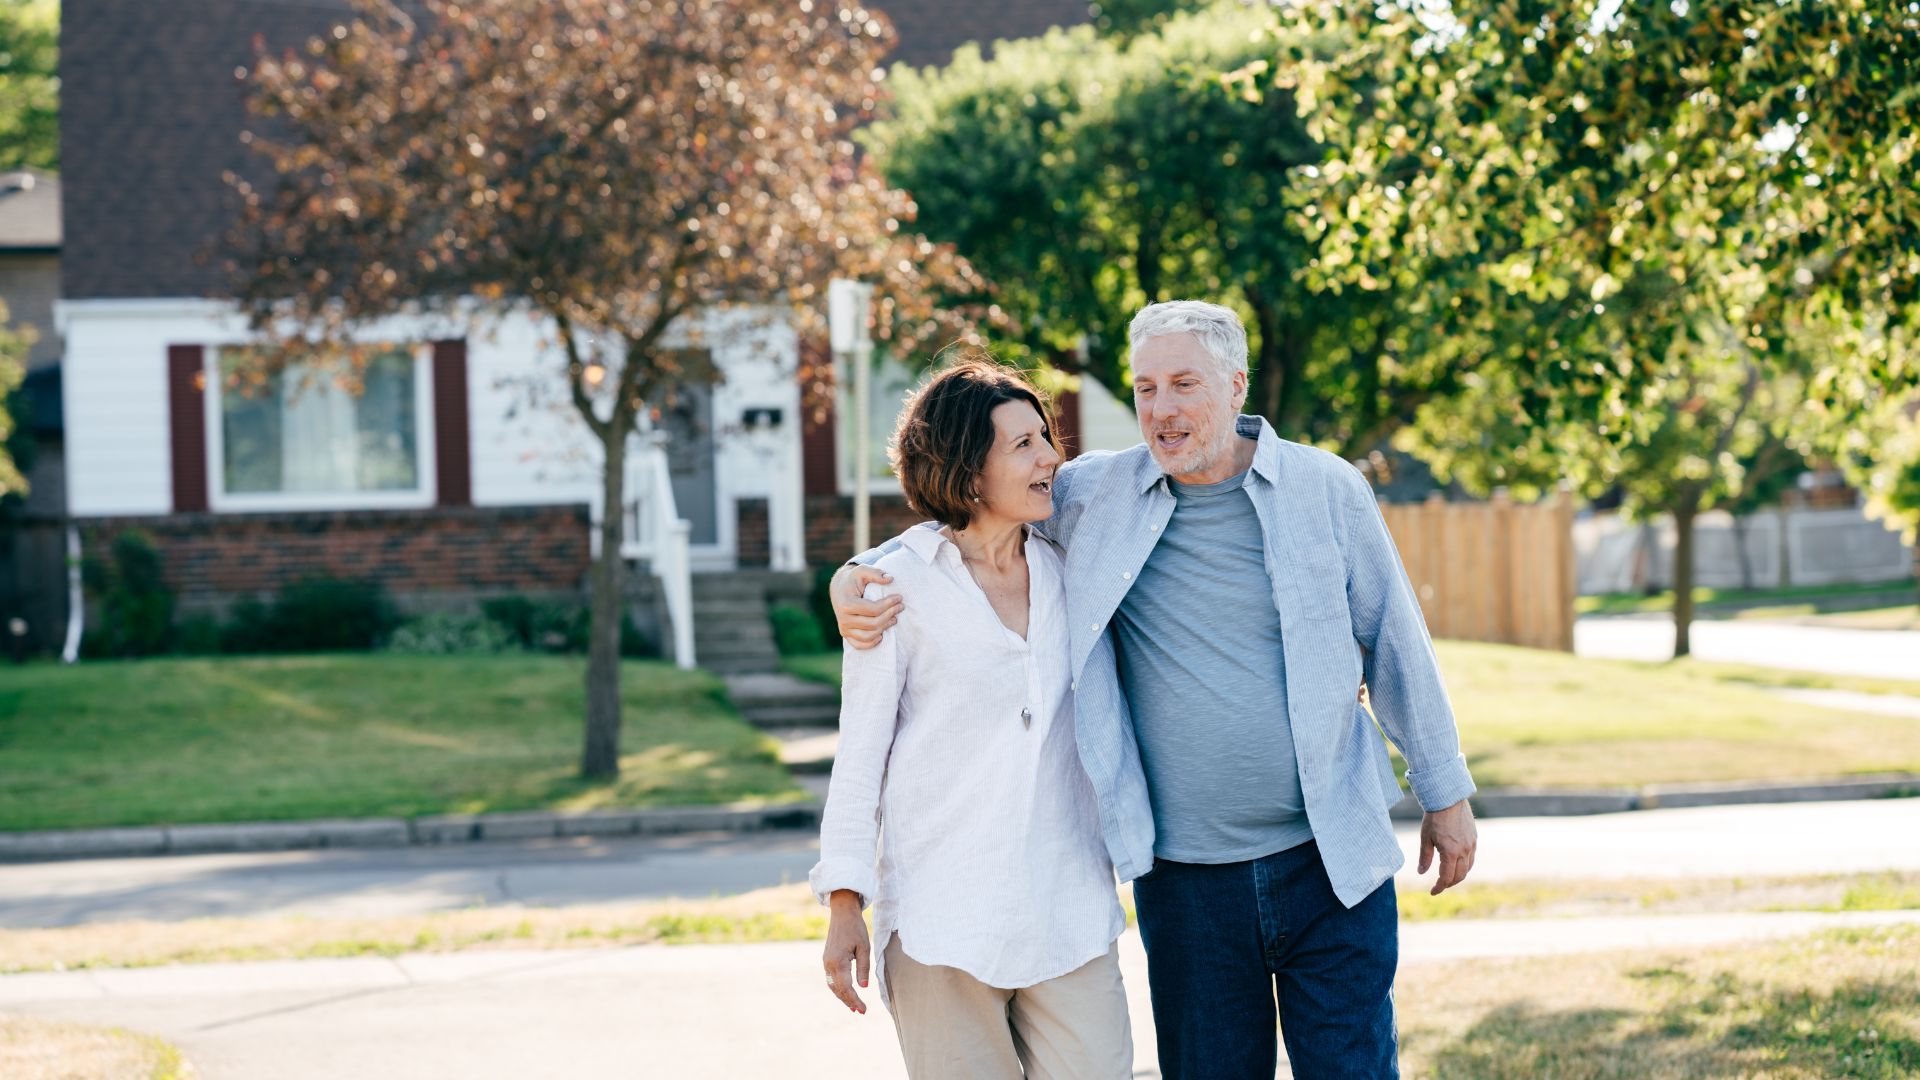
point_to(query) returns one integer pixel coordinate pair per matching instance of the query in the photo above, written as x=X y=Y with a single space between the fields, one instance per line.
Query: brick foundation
x=212 y=558
x=830 y=525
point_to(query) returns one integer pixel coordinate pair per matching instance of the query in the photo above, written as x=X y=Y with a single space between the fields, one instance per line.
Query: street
x=1891 y=654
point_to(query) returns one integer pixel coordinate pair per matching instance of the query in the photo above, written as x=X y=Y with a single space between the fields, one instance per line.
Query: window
x=299 y=439
x=887 y=398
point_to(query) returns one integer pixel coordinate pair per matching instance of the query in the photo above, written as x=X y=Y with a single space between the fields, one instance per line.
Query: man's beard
x=1203 y=451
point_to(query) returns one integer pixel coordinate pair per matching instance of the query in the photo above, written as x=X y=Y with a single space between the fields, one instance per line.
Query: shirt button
x=1073 y=686
x=1095 y=628
x=1126 y=575
x=1153 y=528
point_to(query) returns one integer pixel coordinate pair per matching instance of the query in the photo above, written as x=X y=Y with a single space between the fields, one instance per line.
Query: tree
x=614 y=167
x=1631 y=222
x=14 y=344
x=1088 y=173
x=30 y=84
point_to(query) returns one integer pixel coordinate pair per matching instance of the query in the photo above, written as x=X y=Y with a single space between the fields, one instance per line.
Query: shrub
x=136 y=607
x=554 y=628
x=820 y=603
x=198 y=635
x=312 y=615
x=445 y=633
x=795 y=631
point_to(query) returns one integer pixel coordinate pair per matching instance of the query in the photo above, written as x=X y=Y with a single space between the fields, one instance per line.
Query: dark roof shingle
x=152 y=111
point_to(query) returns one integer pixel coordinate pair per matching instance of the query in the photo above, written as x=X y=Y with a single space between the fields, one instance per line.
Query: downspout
x=76 y=600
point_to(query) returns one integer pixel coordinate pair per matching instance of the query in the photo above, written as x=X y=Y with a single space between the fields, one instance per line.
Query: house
x=31 y=556
x=454 y=475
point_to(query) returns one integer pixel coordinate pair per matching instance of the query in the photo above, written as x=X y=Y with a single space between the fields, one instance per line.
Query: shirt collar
x=924 y=540
x=1266 y=453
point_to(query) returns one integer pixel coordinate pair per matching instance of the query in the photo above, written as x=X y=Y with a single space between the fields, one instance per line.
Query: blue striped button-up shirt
x=1347 y=612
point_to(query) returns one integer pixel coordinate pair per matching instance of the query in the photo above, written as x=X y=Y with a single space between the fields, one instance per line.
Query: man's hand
x=848 y=953
x=1451 y=832
x=862 y=621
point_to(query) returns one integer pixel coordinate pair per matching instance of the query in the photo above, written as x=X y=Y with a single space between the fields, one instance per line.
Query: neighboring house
x=461 y=469
x=32 y=585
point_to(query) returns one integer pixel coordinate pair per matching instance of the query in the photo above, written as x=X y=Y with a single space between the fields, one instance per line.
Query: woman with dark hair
x=994 y=910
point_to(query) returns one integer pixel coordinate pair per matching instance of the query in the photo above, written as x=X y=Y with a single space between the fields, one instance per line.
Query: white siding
x=528 y=446
x=1106 y=423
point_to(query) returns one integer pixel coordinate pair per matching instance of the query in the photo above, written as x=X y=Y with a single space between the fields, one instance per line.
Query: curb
x=1548 y=802
x=445 y=829
x=439 y=829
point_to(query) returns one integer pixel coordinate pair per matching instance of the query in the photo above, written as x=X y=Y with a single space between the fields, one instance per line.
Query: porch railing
x=653 y=530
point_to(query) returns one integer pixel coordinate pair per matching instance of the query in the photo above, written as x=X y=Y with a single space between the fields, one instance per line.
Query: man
x=1228 y=590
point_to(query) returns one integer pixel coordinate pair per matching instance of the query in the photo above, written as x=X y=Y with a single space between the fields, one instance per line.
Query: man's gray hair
x=1219 y=329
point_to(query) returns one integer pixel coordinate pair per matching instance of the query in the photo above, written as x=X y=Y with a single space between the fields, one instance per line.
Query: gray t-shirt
x=1200 y=662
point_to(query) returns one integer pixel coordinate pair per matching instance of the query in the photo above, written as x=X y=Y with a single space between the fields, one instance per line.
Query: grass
x=355 y=735
x=34 y=1049
x=1530 y=718
x=1761 y=603
x=1890 y=891
x=1843 y=1004
x=781 y=913
x=814 y=667
x=790 y=913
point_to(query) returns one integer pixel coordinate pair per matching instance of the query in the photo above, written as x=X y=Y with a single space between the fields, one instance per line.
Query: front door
x=688 y=423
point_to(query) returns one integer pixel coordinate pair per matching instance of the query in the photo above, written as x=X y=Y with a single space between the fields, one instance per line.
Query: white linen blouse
x=958 y=759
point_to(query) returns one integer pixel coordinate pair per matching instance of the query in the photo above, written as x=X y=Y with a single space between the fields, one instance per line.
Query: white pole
x=862 y=443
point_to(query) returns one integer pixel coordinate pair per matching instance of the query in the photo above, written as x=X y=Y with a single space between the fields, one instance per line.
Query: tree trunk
x=601 y=758
x=1684 y=513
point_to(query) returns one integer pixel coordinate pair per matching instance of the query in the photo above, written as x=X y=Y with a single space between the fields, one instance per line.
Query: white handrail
x=652 y=529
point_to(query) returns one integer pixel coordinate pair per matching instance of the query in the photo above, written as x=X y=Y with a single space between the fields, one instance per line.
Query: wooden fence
x=1492 y=571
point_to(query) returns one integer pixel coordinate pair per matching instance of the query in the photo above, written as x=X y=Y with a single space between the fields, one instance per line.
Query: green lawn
x=1843 y=1004
x=354 y=735
x=1764 y=603
x=1534 y=718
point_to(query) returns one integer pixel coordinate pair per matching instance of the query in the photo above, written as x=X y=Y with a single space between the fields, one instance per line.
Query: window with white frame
x=306 y=436
x=886 y=400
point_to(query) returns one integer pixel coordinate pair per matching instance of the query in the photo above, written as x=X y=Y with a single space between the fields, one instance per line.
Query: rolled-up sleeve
x=871 y=684
x=1403 y=675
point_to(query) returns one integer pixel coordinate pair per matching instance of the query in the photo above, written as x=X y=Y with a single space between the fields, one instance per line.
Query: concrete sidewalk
x=690 y=1012
x=1751 y=841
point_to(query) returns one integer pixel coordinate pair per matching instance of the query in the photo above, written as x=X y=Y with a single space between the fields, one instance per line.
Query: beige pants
x=954 y=1026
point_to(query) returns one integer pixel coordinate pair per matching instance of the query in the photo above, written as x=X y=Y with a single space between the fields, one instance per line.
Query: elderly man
x=1228 y=592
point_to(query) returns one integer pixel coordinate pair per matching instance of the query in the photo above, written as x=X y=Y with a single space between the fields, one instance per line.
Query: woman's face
x=1017 y=481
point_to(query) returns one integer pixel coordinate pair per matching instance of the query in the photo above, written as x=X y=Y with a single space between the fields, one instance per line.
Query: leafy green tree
x=1088 y=173
x=30 y=84
x=1623 y=227
x=613 y=168
x=14 y=344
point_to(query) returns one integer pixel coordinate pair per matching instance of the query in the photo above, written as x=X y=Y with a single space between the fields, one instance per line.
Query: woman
x=993 y=898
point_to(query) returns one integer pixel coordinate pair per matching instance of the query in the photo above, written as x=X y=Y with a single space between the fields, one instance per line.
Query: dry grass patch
x=1890 y=891
x=32 y=1049
x=783 y=913
x=1844 y=1004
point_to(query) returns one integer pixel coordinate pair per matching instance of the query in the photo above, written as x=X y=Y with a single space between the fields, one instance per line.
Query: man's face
x=1186 y=407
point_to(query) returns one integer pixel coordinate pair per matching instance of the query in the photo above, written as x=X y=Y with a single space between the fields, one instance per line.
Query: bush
x=136 y=607
x=820 y=603
x=198 y=635
x=445 y=633
x=313 y=615
x=553 y=628
x=795 y=632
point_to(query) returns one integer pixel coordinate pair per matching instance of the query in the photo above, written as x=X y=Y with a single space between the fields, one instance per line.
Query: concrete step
x=781 y=701
x=807 y=750
x=771 y=716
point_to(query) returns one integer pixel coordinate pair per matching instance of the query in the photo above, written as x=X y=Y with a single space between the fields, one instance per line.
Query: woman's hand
x=847 y=944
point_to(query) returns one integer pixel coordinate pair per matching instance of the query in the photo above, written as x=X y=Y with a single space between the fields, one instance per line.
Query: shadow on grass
x=1715 y=1026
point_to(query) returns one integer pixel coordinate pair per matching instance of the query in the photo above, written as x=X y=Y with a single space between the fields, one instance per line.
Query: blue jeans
x=1223 y=942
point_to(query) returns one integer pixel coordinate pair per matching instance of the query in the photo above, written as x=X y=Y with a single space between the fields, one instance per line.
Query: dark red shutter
x=817 y=450
x=187 y=416
x=452 y=449
x=1066 y=418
